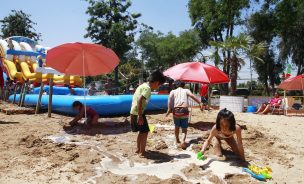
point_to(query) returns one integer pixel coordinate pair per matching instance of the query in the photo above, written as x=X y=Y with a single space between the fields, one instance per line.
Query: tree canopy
x=18 y=23
x=290 y=29
x=261 y=26
x=280 y=25
x=240 y=47
x=165 y=50
x=112 y=25
x=216 y=20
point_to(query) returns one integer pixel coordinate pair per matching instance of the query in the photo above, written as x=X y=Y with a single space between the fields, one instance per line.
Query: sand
x=36 y=149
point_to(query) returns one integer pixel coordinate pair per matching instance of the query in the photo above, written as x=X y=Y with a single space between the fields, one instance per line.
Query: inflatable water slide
x=20 y=60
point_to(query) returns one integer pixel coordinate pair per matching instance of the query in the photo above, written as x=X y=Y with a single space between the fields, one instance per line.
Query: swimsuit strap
x=222 y=135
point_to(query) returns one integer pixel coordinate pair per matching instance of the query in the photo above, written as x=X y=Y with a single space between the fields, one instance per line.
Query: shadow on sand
x=159 y=157
x=201 y=125
x=8 y=122
x=230 y=157
x=205 y=126
x=108 y=127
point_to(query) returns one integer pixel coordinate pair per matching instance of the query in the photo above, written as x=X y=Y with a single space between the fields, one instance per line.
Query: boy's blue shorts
x=181 y=122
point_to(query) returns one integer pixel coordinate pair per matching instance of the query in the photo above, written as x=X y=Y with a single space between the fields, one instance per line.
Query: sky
x=62 y=21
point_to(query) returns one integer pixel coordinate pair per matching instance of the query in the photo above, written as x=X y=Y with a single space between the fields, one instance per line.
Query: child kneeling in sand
x=225 y=129
x=140 y=100
x=92 y=116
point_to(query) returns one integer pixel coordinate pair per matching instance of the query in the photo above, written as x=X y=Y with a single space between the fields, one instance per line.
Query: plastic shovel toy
x=200 y=156
x=152 y=128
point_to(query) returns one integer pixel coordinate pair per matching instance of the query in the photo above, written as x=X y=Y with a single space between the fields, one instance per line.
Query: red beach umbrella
x=197 y=72
x=293 y=83
x=84 y=59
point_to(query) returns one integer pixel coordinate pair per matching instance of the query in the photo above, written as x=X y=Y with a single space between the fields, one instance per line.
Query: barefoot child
x=140 y=100
x=225 y=129
x=92 y=116
x=180 y=97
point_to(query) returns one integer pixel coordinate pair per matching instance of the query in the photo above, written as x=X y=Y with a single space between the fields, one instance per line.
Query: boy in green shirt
x=140 y=100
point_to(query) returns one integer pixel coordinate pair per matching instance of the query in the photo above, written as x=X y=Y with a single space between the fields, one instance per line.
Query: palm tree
x=241 y=47
x=253 y=53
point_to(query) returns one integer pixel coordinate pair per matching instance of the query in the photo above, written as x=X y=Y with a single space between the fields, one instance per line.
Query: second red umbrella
x=197 y=72
x=293 y=83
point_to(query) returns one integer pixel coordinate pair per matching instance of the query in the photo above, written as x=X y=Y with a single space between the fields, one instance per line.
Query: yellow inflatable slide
x=23 y=68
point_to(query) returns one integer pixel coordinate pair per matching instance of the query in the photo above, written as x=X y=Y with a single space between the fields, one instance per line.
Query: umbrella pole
x=50 y=96
x=84 y=96
x=84 y=85
x=284 y=103
x=209 y=98
x=190 y=115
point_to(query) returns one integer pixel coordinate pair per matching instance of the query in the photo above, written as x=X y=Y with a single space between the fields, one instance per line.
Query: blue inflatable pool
x=60 y=90
x=104 y=105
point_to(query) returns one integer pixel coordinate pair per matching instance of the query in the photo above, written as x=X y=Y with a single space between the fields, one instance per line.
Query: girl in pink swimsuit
x=225 y=129
x=92 y=116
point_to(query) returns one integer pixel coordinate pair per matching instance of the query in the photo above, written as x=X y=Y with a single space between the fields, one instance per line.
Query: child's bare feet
x=137 y=151
x=142 y=155
x=183 y=145
x=178 y=141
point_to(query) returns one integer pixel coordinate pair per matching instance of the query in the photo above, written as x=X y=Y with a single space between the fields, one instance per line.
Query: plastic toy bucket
x=251 y=109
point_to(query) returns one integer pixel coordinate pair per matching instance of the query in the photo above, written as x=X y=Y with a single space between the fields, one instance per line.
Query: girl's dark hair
x=76 y=104
x=228 y=115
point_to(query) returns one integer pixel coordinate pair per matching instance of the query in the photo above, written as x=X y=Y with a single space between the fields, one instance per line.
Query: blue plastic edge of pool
x=104 y=105
x=60 y=90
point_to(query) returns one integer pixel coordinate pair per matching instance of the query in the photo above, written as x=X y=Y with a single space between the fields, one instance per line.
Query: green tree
x=18 y=23
x=290 y=29
x=160 y=50
x=241 y=47
x=216 y=21
x=112 y=25
x=261 y=26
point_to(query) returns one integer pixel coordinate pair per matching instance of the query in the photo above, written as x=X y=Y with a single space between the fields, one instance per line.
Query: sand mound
x=160 y=145
x=31 y=141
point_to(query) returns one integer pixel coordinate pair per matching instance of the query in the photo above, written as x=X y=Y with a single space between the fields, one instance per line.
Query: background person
x=71 y=90
x=110 y=87
x=204 y=95
x=92 y=89
x=274 y=102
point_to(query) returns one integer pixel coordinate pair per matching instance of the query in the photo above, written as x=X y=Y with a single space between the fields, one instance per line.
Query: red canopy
x=197 y=72
x=82 y=59
x=293 y=83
